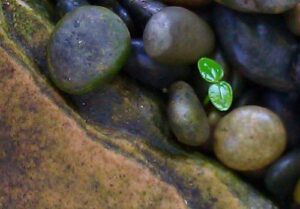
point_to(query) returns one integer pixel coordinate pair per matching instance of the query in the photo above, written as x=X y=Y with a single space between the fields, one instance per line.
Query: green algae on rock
x=87 y=49
x=28 y=24
x=124 y=105
x=260 y=6
x=186 y=115
x=249 y=138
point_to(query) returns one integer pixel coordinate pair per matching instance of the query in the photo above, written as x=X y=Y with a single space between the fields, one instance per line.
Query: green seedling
x=220 y=92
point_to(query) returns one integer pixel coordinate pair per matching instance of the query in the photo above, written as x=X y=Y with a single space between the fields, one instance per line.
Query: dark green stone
x=151 y=73
x=259 y=46
x=281 y=177
x=186 y=115
x=261 y=6
x=88 y=47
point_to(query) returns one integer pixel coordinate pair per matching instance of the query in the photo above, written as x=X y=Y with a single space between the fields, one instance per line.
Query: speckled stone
x=249 y=138
x=88 y=47
x=187 y=117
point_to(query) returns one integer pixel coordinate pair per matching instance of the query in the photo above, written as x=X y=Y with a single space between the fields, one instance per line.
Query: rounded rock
x=88 y=47
x=255 y=45
x=249 y=138
x=282 y=176
x=186 y=115
x=176 y=35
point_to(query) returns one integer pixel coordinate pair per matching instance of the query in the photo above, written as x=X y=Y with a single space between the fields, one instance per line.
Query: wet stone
x=88 y=48
x=186 y=115
x=259 y=46
x=249 y=138
x=151 y=73
x=176 y=35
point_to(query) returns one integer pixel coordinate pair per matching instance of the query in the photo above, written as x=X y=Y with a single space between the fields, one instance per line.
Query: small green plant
x=220 y=92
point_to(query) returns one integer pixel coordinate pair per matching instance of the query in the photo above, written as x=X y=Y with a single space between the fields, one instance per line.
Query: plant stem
x=206 y=100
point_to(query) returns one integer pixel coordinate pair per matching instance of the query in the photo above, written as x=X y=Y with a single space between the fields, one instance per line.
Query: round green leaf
x=210 y=70
x=220 y=94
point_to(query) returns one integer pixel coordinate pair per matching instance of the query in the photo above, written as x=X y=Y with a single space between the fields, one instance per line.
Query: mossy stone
x=88 y=48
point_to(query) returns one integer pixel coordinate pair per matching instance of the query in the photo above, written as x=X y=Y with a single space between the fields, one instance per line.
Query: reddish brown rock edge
x=47 y=160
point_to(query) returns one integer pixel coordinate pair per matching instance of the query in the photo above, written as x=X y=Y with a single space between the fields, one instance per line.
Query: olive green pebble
x=249 y=138
x=88 y=47
x=297 y=193
x=186 y=115
x=293 y=20
x=176 y=35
